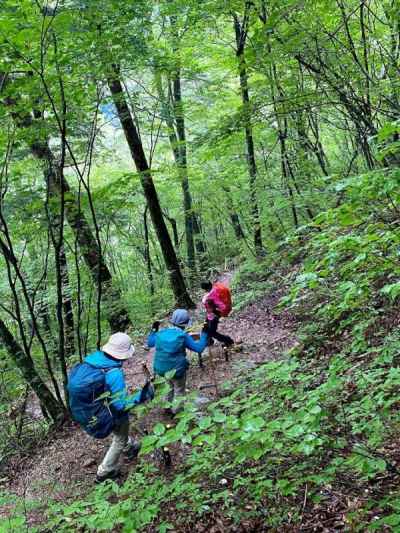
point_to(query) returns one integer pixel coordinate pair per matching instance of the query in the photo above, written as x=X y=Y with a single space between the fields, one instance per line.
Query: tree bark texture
x=25 y=364
x=241 y=33
x=116 y=312
x=175 y=121
x=136 y=148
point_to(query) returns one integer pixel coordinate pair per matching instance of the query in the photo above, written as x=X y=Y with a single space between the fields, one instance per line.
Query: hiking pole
x=196 y=337
x=166 y=456
x=146 y=372
x=162 y=454
x=226 y=352
x=212 y=367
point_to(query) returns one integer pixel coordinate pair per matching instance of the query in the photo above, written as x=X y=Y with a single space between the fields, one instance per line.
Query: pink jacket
x=209 y=303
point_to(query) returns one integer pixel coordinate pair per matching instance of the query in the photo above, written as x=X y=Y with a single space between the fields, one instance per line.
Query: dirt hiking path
x=65 y=465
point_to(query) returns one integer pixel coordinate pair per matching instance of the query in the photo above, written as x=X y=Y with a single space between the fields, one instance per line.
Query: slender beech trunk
x=237 y=227
x=178 y=110
x=56 y=217
x=25 y=364
x=42 y=310
x=182 y=168
x=174 y=227
x=65 y=313
x=307 y=119
x=199 y=242
x=318 y=148
x=271 y=201
x=68 y=309
x=241 y=35
x=282 y=123
x=283 y=136
x=147 y=252
x=136 y=148
x=193 y=235
x=285 y=176
x=117 y=314
x=175 y=121
x=306 y=150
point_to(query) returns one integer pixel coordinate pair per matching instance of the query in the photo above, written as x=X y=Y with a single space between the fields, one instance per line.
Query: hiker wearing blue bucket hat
x=171 y=344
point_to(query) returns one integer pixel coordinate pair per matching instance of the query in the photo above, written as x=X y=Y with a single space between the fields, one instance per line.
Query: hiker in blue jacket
x=100 y=375
x=171 y=344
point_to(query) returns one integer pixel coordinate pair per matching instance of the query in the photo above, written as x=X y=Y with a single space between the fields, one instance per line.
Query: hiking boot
x=228 y=343
x=133 y=451
x=113 y=474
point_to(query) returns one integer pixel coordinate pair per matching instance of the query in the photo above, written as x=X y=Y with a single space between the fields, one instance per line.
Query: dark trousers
x=213 y=333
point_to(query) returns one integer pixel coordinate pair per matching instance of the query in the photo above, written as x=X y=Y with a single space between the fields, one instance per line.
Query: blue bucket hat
x=181 y=317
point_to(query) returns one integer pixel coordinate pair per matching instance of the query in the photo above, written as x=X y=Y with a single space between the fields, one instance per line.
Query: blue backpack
x=170 y=352
x=88 y=404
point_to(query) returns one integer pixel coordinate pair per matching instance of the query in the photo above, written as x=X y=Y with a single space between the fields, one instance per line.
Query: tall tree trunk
x=182 y=168
x=67 y=306
x=199 y=241
x=283 y=134
x=237 y=227
x=68 y=309
x=193 y=234
x=174 y=227
x=25 y=364
x=241 y=34
x=282 y=126
x=147 y=252
x=136 y=148
x=285 y=176
x=116 y=312
x=305 y=149
x=175 y=121
x=182 y=145
x=318 y=148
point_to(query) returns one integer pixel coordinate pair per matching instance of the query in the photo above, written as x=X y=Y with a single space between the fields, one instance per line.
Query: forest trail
x=65 y=465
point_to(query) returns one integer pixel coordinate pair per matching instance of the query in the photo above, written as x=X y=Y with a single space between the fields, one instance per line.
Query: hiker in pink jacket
x=213 y=314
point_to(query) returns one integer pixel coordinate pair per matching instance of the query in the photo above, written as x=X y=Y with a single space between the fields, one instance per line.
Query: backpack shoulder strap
x=102 y=370
x=107 y=371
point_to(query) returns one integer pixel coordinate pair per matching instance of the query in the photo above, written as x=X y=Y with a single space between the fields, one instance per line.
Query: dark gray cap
x=181 y=317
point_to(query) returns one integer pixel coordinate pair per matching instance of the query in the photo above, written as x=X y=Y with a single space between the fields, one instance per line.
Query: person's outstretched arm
x=115 y=381
x=196 y=346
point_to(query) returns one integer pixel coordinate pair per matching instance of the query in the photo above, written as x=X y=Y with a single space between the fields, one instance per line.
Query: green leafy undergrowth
x=287 y=428
x=348 y=287
x=254 y=278
x=315 y=434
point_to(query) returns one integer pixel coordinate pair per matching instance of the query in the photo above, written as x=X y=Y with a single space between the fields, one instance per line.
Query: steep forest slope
x=64 y=465
x=309 y=440
x=146 y=146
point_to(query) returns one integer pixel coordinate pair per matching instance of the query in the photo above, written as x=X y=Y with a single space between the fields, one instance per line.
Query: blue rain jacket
x=171 y=344
x=114 y=380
